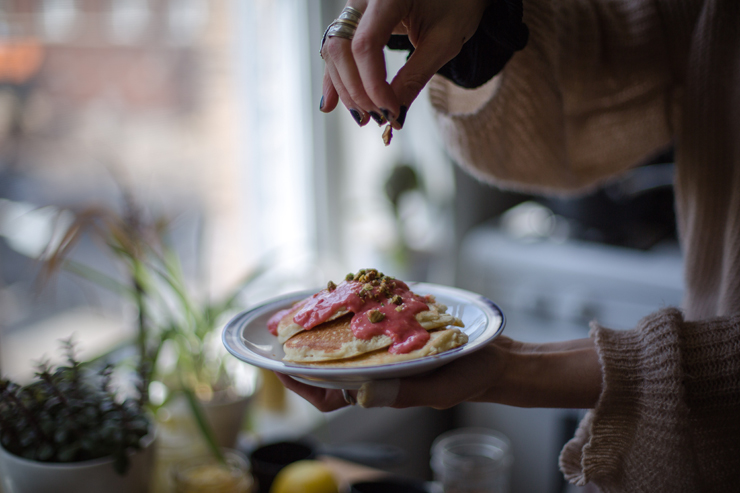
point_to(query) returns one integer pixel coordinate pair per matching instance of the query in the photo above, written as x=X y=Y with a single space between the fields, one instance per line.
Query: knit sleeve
x=589 y=96
x=667 y=419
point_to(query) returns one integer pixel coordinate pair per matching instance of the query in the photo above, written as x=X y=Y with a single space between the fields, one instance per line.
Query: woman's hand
x=325 y=400
x=465 y=379
x=564 y=374
x=356 y=72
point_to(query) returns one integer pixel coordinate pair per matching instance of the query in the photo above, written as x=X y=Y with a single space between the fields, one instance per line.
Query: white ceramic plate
x=246 y=337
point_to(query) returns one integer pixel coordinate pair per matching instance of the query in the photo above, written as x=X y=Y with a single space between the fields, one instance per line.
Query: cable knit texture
x=601 y=86
x=669 y=415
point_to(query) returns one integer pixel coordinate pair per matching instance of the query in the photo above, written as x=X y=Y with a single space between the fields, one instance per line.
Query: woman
x=600 y=86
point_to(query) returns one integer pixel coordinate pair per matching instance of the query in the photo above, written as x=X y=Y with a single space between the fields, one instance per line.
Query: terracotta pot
x=19 y=475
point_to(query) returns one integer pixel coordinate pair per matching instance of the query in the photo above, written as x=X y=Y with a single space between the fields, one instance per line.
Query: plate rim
x=341 y=377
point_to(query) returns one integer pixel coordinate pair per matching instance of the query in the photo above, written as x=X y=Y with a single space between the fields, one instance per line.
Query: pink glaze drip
x=401 y=326
x=274 y=321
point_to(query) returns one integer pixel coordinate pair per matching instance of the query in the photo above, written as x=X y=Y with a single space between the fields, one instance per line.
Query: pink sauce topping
x=274 y=321
x=381 y=306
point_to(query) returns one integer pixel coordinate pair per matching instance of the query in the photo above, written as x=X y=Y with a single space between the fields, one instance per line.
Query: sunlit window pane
x=57 y=19
x=128 y=20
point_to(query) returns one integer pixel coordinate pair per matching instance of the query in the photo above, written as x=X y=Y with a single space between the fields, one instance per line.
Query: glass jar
x=205 y=474
x=472 y=460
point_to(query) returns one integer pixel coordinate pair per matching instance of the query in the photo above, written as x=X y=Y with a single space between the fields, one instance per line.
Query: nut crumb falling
x=387 y=135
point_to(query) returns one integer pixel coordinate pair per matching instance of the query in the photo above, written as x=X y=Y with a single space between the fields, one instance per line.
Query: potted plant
x=69 y=431
x=177 y=319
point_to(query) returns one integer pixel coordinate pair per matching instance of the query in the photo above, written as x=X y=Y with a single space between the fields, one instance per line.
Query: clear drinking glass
x=472 y=460
x=205 y=474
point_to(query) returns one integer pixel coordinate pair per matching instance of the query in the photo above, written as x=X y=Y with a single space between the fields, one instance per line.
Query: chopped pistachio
x=375 y=316
x=331 y=286
x=367 y=287
x=387 y=135
x=368 y=275
x=399 y=308
x=397 y=299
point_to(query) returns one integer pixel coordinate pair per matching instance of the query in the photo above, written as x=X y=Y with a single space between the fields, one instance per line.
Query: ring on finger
x=350 y=14
x=343 y=26
x=348 y=398
x=342 y=29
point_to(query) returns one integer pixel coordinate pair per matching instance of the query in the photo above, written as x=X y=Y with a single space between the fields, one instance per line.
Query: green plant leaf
x=181 y=294
x=203 y=425
x=102 y=280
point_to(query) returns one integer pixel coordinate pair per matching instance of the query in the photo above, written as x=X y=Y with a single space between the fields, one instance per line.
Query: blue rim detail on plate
x=247 y=338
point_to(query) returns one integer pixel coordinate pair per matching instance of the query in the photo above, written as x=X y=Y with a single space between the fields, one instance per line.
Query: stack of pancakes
x=333 y=343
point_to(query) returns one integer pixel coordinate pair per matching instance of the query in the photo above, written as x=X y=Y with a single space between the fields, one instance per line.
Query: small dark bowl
x=388 y=486
x=268 y=460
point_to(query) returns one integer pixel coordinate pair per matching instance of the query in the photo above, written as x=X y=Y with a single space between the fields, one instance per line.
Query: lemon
x=305 y=476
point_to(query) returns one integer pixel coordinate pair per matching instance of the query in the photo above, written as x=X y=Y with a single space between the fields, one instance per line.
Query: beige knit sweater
x=601 y=86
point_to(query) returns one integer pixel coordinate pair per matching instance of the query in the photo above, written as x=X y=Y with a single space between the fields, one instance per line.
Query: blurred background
x=206 y=112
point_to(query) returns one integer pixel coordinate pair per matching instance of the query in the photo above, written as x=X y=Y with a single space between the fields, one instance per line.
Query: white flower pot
x=20 y=475
x=180 y=437
x=225 y=417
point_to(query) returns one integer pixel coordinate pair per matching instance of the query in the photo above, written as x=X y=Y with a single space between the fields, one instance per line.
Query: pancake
x=440 y=340
x=369 y=317
x=287 y=328
x=335 y=340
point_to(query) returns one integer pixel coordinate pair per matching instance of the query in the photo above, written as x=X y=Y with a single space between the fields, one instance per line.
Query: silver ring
x=350 y=14
x=348 y=398
x=343 y=26
x=342 y=29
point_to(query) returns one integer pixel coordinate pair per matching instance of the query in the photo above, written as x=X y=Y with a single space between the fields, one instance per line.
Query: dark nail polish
x=321 y=103
x=357 y=116
x=386 y=114
x=402 y=116
x=378 y=119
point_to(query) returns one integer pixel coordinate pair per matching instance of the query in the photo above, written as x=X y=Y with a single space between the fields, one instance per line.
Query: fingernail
x=378 y=393
x=402 y=116
x=357 y=116
x=378 y=119
x=386 y=114
x=321 y=103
